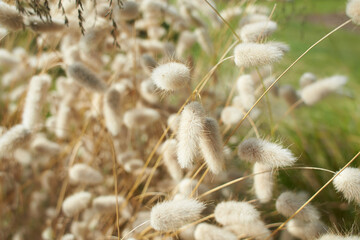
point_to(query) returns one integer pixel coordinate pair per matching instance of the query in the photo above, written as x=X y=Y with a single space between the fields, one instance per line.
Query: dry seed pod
x=305 y=230
x=83 y=173
x=13 y=138
x=171 y=76
x=348 y=183
x=75 y=203
x=10 y=18
x=205 y=231
x=353 y=11
x=257 y=31
x=245 y=87
x=256 y=54
x=263 y=182
x=307 y=79
x=262 y=151
x=232 y=212
x=289 y=94
x=313 y=93
x=170 y=159
x=140 y=117
x=171 y=215
x=35 y=98
x=85 y=77
x=211 y=146
x=289 y=202
x=191 y=125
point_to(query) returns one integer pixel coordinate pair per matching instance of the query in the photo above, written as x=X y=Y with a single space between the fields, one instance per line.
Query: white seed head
x=255 y=32
x=62 y=120
x=191 y=125
x=262 y=151
x=112 y=111
x=253 y=18
x=3 y=32
x=255 y=230
x=211 y=146
x=353 y=11
x=280 y=45
x=171 y=76
x=148 y=91
x=75 y=203
x=35 y=98
x=83 y=173
x=173 y=122
x=42 y=145
x=245 y=87
x=13 y=138
x=263 y=182
x=171 y=215
x=231 y=115
x=205 y=231
x=330 y=236
x=107 y=204
x=289 y=94
x=305 y=230
x=307 y=79
x=348 y=183
x=316 y=91
x=85 y=77
x=232 y=212
x=140 y=117
x=10 y=18
x=170 y=159
x=289 y=202
x=256 y=54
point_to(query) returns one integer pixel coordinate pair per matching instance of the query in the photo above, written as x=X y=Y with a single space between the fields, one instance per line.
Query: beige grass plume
x=140 y=117
x=171 y=215
x=256 y=54
x=10 y=18
x=348 y=183
x=289 y=94
x=232 y=212
x=190 y=128
x=305 y=230
x=257 y=31
x=169 y=149
x=316 y=91
x=307 y=79
x=205 y=231
x=245 y=87
x=112 y=111
x=75 y=203
x=268 y=153
x=263 y=182
x=13 y=138
x=211 y=146
x=83 y=173
x=353 y=11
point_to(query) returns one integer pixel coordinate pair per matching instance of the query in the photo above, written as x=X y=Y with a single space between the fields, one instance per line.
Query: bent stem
x=310 y=199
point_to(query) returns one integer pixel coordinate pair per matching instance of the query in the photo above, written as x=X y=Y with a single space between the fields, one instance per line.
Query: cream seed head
x=289 y=94
x=255 y=230
x=172 y=215
x=231 y=115
x=267 y=153
x=191 y=126
x=112 y=111
x=107 y=204
x=211 y=146
x=35 y=98
x=263 y=182
x=75 y=203
x=348 y=183
x=353 y=10
x=205 y=231
x=10 y=18
x=232 y=213
x=173 y=122
x=13 y=138
x=305 y=230
x=256 y=54
x=307 y=79
x=170 y=159
x=171 y=76
x=255 y=32
x=245 y=87
x=83 y=173
x=85 y=77
x=289 y=202
x=318 y=90
x=330 y=236
x=148 y=91
x=140 y=117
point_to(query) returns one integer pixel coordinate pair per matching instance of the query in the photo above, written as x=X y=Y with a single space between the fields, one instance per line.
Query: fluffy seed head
x=170 y=159
x=140 y=117
x=112 y=111
x=262 y=151
x=305 y=230
x=171 y=215
x=148 y=91
x=289 y=94
x=257 y=31
x=245 y=87
x=211 y=147
x=313 y=93
x=75 y=203
x=307 y=79
x=232 y=212
x=171 y=76
x=255 y=230
x=263 y=182
x=231 y=115
x=353 y=11
x=205 y=231
x=256 y=54
x=289 y=202
x=253 y=18
x=106 y=203
x=13 y=138
x=173 y=122
x=191 y=125
x=42 y=145
x=83 y=173
x=10 y=17
x=34 y=100
x=330 y=236
x=348 y=183
x=85 y=77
